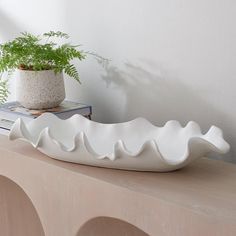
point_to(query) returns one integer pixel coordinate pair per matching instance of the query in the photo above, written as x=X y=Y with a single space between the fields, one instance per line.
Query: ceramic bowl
x=133 y=145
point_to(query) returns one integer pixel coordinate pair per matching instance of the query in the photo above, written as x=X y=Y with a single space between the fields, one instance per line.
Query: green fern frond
x=58 y=34
x=30 y=52
x=4 y=92
x=72 y=72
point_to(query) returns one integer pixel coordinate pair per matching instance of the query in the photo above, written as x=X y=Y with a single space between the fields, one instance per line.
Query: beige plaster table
x=42 y=196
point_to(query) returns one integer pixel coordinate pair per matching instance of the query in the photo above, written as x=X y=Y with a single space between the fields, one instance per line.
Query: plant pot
x=39 y=89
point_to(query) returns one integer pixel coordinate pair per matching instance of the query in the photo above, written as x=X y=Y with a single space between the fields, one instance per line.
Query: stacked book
x=11 y=111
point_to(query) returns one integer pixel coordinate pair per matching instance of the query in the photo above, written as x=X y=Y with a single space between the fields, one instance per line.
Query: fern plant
x=41 y=52
x=4 y=92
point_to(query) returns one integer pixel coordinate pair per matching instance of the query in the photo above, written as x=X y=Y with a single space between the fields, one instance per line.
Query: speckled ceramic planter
x=39 y=89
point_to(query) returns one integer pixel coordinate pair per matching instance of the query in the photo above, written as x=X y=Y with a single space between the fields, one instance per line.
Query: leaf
x=4 y=92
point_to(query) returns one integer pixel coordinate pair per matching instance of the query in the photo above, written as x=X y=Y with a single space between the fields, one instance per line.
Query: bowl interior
x=172 y=139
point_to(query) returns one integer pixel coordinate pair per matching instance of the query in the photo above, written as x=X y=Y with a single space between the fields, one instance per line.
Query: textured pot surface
x=39 y=89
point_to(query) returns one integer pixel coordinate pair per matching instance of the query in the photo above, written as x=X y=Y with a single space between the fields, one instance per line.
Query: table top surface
x=206 y=186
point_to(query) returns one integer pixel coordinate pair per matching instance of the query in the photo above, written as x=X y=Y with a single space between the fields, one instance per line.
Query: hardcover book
x=10 y=111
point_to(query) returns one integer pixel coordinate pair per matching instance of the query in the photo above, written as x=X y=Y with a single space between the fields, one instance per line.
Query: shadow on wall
x=159 y=98
x=9 y=28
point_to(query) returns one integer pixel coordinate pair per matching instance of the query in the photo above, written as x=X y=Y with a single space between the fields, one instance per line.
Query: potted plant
x=40 y=62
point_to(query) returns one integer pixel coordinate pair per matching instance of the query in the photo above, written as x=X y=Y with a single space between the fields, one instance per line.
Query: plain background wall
x=170 y=59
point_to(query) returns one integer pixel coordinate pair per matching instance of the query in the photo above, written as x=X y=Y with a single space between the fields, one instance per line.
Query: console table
x=41 y=196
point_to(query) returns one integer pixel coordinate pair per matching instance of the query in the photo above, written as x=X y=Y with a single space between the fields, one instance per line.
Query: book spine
x=13 y=117
x=6 y=124
x=4 y=131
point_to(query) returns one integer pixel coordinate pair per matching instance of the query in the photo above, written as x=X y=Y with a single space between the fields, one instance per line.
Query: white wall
x=171 y=59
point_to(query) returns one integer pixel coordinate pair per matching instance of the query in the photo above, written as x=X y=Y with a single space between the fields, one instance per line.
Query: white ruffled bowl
x=133 y=145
